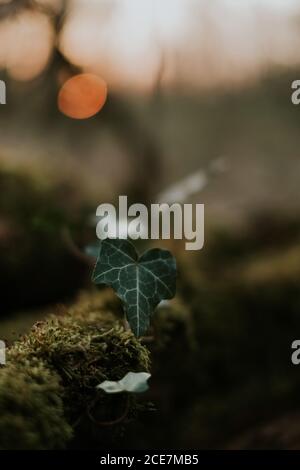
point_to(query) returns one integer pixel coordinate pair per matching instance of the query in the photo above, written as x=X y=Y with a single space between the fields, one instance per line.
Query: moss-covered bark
x=48 y=398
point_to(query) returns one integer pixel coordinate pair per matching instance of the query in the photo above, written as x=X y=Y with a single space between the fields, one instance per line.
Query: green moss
x=77 y=349
x=31 y=407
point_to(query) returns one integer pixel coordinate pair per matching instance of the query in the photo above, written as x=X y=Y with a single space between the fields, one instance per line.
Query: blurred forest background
x=199 y=96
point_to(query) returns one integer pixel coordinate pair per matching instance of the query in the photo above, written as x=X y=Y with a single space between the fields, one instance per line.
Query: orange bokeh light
x=82 y=96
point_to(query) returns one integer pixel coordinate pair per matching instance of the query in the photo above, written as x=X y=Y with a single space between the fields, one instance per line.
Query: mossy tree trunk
x=48 y=398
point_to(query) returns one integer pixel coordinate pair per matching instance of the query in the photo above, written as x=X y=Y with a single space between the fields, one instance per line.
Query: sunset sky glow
x=203 y=42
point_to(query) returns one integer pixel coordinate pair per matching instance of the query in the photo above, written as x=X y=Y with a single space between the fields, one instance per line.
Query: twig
x=108 y=423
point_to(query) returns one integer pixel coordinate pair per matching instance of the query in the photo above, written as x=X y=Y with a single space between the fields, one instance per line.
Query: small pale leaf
x=132 y=382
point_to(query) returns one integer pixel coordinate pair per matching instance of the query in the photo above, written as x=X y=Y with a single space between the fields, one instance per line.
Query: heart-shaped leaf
x=141 y=283
x=133 y=382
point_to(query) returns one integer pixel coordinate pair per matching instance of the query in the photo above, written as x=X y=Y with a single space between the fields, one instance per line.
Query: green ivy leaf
x=132 y=382
x=141 y=283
